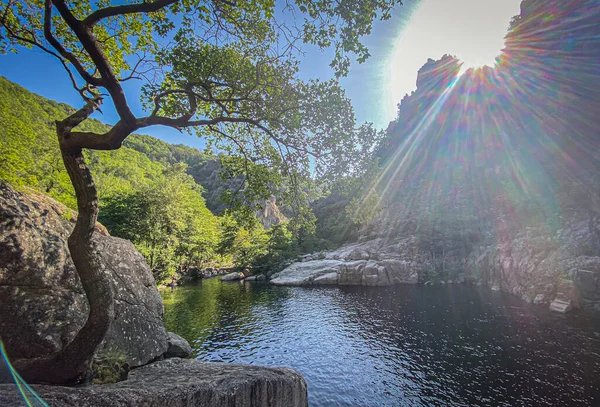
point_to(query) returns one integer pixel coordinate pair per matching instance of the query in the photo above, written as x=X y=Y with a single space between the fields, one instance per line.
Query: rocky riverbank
x=541 y=268
x=43 y=306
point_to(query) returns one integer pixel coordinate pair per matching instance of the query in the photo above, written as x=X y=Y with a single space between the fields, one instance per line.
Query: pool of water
x=448 y=345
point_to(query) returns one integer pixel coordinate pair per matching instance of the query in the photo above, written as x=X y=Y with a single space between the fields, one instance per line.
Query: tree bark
x=72 y=365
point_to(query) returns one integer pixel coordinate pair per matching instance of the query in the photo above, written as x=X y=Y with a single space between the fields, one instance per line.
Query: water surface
x=396 y=346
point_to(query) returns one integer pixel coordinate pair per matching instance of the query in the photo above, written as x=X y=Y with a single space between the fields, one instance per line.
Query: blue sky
x=420 y=29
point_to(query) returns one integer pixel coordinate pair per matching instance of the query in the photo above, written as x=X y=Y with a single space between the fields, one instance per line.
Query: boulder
x=326 y=279
x=178 y=347
x=561 y=306
x=304 y=273
x=42 y=303
x=351 y=273
x=238 y=275
x=180 y=383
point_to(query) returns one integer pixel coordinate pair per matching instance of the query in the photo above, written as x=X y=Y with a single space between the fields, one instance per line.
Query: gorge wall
x=492 y=175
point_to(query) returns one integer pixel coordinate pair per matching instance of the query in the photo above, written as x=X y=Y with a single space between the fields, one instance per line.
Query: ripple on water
x=404 y=345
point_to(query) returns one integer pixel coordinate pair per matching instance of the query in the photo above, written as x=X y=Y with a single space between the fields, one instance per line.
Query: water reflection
x=404 y=345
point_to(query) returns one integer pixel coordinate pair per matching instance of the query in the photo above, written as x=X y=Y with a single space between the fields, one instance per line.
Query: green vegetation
x=225 y=71
x=109 y=366
x=152 y=193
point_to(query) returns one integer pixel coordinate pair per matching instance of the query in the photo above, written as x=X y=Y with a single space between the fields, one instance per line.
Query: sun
x=471 y=30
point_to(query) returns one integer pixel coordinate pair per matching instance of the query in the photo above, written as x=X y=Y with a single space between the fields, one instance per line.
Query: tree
x=167 y=220
x=225 y=70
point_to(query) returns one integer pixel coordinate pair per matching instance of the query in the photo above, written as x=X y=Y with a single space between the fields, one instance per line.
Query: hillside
x=29 y=153
x=158 y=195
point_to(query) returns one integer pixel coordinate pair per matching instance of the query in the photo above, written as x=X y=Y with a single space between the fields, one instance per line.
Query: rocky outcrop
x=550 y=269
x=370 y=263
x=270 y=214
x=42 y=303
x=181 y=383
x=542 y=268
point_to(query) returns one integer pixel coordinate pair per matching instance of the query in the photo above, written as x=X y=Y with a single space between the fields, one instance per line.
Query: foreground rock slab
x=181 y=383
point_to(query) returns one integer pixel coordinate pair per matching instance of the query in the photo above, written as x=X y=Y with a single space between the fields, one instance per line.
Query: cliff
x=493 y=175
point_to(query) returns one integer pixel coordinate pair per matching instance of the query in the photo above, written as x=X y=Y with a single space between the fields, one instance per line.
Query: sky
x=473 y=30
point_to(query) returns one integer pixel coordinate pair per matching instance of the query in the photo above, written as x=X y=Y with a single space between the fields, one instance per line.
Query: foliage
x=167 y=220
x=109 y=366
x=281 y=247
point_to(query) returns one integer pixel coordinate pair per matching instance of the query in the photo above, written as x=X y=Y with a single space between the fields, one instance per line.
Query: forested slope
x=151 y=192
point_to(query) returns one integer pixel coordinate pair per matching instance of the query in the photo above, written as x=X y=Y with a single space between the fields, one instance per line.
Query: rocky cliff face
x=42 y=303
x=270 y=214
x=493 y=176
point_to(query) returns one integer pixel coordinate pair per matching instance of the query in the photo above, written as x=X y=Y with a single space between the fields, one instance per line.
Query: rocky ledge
x=179 y=383
x=367 y=264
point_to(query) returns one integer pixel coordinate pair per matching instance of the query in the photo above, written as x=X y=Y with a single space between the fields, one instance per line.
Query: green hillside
x=158 y=195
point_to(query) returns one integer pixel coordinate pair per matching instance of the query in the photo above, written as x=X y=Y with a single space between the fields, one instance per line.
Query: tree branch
x=61 y=50
x=109 y=80
x=113 y=11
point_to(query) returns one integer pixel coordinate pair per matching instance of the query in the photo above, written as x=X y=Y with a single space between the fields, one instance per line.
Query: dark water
x=396 y=346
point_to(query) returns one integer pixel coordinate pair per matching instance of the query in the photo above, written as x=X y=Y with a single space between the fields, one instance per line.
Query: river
x=451 y=345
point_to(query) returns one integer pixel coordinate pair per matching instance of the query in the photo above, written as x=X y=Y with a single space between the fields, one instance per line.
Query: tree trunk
x=72 y=364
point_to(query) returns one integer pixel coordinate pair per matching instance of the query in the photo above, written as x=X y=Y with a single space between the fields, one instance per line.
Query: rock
x=193 y=275
x=180 y=383
x=261 y=277
x=178 y=347
x=43 y=305
x=305 y=273
x=561 y=306
x=539 y=299
x=270 y=214
x=351 y=273
x=374 y=275
x=233 y=276
x=250 y=278
x=326 y=279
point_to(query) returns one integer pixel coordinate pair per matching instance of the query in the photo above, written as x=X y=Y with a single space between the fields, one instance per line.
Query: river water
x=448 y=345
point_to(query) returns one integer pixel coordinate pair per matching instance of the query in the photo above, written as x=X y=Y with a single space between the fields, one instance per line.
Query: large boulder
x=303 y=273
x=180 y=383
x=42 y=303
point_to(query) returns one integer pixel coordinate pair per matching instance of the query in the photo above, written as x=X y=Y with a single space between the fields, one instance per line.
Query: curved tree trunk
x=72 y=364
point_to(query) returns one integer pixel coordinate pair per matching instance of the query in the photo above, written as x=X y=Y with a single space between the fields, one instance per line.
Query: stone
x=400 y=271
x=178 y=347
x=42 y=303
x=326 y=279
x=180 y=383
x=250 y=278
x=304 y=273
x=560 y=306
x=261 y=277
x=238 y=275
x=351 y=273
